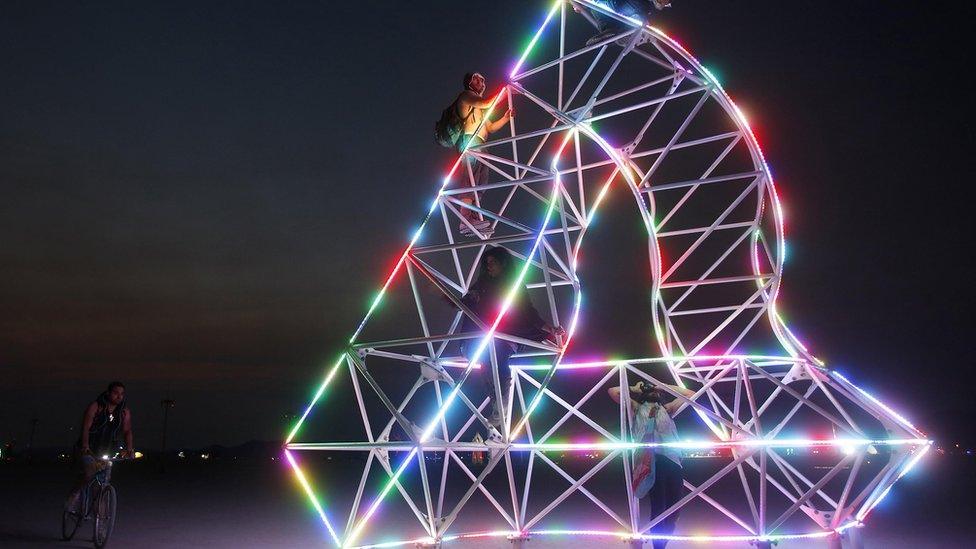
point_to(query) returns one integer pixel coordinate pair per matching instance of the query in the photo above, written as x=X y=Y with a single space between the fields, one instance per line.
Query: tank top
x=104 y=429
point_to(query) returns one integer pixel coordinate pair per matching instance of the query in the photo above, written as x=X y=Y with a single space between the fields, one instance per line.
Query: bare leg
x=85 y=474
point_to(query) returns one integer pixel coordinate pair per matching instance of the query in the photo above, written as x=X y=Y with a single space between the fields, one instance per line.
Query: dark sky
x=200 y=198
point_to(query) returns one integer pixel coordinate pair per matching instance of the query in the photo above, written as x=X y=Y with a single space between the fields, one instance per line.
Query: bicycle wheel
x=70 y=521
x=104 y=516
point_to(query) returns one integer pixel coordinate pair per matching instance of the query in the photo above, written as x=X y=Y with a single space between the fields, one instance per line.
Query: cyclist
x=102 y=423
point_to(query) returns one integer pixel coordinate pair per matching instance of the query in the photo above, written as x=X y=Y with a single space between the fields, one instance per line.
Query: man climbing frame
x=472 y=107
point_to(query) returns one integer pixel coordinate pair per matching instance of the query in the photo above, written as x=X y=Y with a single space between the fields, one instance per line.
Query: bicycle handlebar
x=113 y=459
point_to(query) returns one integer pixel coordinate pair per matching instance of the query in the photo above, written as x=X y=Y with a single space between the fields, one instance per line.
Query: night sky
x=200 y=198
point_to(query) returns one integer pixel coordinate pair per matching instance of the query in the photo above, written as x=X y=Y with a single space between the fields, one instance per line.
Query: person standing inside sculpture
x=658 y=474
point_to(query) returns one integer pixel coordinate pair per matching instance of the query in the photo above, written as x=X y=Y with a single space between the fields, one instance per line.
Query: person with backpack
x=461 y=127
x=657 y=471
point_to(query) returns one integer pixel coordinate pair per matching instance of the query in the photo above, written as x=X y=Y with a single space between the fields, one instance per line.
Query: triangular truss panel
x=775 y=444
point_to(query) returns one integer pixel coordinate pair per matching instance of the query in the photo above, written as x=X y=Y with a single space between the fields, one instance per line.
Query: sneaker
x=496 y=421
x=601 y=36
x=481 y=225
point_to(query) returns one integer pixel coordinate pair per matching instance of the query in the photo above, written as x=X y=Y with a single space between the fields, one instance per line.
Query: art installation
x=777 y=445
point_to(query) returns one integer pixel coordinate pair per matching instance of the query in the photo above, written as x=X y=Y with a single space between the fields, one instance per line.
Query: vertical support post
x=855 y=537
x=167 y=405
x=30 y=440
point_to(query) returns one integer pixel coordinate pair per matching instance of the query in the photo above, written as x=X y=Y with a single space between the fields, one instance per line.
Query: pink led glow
x=708 y=445
x=613 y=363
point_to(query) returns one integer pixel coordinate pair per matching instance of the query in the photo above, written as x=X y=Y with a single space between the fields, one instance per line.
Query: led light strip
x=311 y=496
x=711 y=445
x=587 y=446
x=623 y=536
x=613 y=363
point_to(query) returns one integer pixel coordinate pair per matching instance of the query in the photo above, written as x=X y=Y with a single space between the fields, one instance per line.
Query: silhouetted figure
x=485 y=299
x=103 y=422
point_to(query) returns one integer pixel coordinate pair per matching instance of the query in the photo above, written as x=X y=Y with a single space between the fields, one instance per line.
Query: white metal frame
x=714 y=278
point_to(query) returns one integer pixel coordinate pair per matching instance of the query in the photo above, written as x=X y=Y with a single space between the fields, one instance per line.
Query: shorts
x=471 y=172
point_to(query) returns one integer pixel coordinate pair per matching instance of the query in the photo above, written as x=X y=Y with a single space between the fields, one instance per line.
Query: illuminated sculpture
x=801 y=451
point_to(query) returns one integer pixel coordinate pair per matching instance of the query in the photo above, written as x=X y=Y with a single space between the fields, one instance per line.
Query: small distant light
x=139 y=455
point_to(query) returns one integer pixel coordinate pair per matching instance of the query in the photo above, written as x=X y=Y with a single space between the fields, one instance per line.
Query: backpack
x=447 y=130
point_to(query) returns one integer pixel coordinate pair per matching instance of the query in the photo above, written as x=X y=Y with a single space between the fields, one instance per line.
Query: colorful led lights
x=621 y=536
x=789 y=341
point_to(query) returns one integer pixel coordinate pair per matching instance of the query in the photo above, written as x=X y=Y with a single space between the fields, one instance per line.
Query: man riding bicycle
x=102 y=423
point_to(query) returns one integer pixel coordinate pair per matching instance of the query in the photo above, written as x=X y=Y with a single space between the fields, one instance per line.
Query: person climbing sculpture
x=484 y=298
x=461 y=126
x=608 y=26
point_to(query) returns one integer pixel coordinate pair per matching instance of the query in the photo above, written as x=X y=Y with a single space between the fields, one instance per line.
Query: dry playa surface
x=244 y=505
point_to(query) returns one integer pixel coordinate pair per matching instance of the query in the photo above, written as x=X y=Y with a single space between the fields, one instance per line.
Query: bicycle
x=98 y=500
